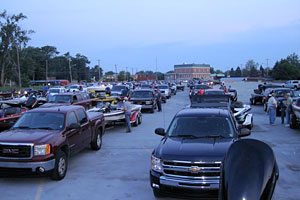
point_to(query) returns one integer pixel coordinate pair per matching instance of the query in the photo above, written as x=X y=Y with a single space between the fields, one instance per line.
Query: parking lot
x=120 y=170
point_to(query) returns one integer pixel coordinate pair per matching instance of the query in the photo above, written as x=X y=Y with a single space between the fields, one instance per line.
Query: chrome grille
x=192 y=170
x=15 y=151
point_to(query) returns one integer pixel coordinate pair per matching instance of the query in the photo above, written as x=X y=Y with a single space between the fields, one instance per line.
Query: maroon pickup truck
x=43 y=139
x=79 y=98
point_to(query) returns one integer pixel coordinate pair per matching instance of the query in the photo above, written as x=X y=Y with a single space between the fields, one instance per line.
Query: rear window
x=60 y=99
x=162 y=87
x=201 y=87
x=141 y=94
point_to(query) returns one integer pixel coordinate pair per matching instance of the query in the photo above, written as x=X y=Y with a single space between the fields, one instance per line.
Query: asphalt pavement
x=120 y=170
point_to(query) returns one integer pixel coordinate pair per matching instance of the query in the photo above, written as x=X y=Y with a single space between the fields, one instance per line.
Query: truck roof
x=61 y=109
x=203 y=112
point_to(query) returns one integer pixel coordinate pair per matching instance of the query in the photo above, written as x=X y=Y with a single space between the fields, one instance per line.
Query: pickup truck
x=43 y=139
x=189 y=157
x=79 y=98
x=294 y=84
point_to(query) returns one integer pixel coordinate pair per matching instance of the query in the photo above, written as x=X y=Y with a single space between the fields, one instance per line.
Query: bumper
x=173 y=188
x=47 y=165
x=209 y=184
x=147 y=106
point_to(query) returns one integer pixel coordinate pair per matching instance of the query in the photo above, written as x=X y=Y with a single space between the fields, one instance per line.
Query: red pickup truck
x=43 y=139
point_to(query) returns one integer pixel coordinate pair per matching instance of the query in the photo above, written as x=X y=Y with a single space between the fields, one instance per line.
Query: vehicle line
x=40 y=189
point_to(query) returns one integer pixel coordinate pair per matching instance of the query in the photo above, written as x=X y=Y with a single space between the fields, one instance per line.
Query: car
x=258 y=95
x=120 y=90
x=189 y=157
x=164 y=89
x=78 y=98
x=295 y=114
x=180 y=87
x=195 y=89
x=43 y=139
x=173 y=88
x=280 y=92
x=144 y=97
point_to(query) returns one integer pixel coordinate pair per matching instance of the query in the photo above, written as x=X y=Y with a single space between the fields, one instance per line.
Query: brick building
x=190 y=71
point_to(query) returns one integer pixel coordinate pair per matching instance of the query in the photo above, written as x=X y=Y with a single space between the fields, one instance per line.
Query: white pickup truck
x=295 y=84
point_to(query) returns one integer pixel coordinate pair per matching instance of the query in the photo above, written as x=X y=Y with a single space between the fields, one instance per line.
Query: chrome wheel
x=61 y=166
x=98 y=140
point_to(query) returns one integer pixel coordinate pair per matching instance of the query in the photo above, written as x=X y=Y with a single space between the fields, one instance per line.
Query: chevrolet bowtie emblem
x=194 y=169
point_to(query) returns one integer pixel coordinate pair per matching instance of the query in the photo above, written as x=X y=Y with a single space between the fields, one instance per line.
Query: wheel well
x=65 y=149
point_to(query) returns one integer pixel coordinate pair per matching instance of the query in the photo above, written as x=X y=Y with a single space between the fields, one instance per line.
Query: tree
x=285 y=71
x=171 y=71
x=261 y=71
x=251 y=67
x=109 y=73
x=13 y=38
x=49 y=52
x=212 y=70
x=232 y=72
x=238 y=72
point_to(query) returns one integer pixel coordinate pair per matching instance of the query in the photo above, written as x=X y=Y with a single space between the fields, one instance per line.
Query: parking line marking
x=148 y=150
x=39 y=191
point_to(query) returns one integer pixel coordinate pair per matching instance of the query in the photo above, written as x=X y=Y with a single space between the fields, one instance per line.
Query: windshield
x=54 y=91
x=60 y=99
x=201 y=87
x=73 y=87
x=118 y=88
x=141 y=94
x=41 y=120
x=281 y=93
x=145 y=86
x=201 y=126
x=162 y=87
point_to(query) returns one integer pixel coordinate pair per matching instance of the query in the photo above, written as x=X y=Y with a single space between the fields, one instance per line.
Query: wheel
x=60 y=167
x=97 y=141
x=175 y=93
x=295 y=87
x=152 y=110
x=293 y=121
x=157 y=193
x=136 y=123
x=265 y=107
x=140 y=119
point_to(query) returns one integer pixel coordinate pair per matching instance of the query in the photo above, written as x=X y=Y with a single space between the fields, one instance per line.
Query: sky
x=149 y=34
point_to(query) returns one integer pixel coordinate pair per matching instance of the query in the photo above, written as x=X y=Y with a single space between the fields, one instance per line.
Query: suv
x=189 y=157
x=144 y=97
x=165 y=90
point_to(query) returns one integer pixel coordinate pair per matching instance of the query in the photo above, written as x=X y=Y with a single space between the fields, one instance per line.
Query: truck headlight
x=40 y=150
x=156 y=164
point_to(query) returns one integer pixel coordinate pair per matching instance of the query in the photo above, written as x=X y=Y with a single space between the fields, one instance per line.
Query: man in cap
x=127 y=109
x=272 y=104
x=289 y=102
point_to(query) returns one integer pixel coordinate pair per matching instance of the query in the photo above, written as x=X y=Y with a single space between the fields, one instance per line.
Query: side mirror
x=160 y=131
x=244 y=132
x=73 y=126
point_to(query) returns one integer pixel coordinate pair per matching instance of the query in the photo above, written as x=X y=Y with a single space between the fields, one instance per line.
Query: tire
x=157 y=193
x=136 y=123
x=140 y=119
x=152 y=110
x=295 y=87
x=293 y=121
x=96 y=143
x=265 y=107
x=60 y=167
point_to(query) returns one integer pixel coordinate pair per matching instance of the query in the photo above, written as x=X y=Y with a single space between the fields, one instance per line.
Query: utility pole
x=126 y=74
x=267 y=66
x=116 y=72
x=156 y=67
x=99 y=73
x=70 y=70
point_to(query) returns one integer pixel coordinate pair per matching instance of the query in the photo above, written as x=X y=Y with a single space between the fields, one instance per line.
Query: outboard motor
x=108 y=91
x=31 y=101
x=249 y=171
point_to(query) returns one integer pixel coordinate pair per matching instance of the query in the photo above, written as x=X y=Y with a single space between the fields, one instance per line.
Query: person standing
x=272 y=104
x=283 y=108
x=289 y=102
x=127 y=109
x=158 y=100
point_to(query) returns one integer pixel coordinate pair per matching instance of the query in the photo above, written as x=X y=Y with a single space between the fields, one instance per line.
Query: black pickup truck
x=189 y=157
